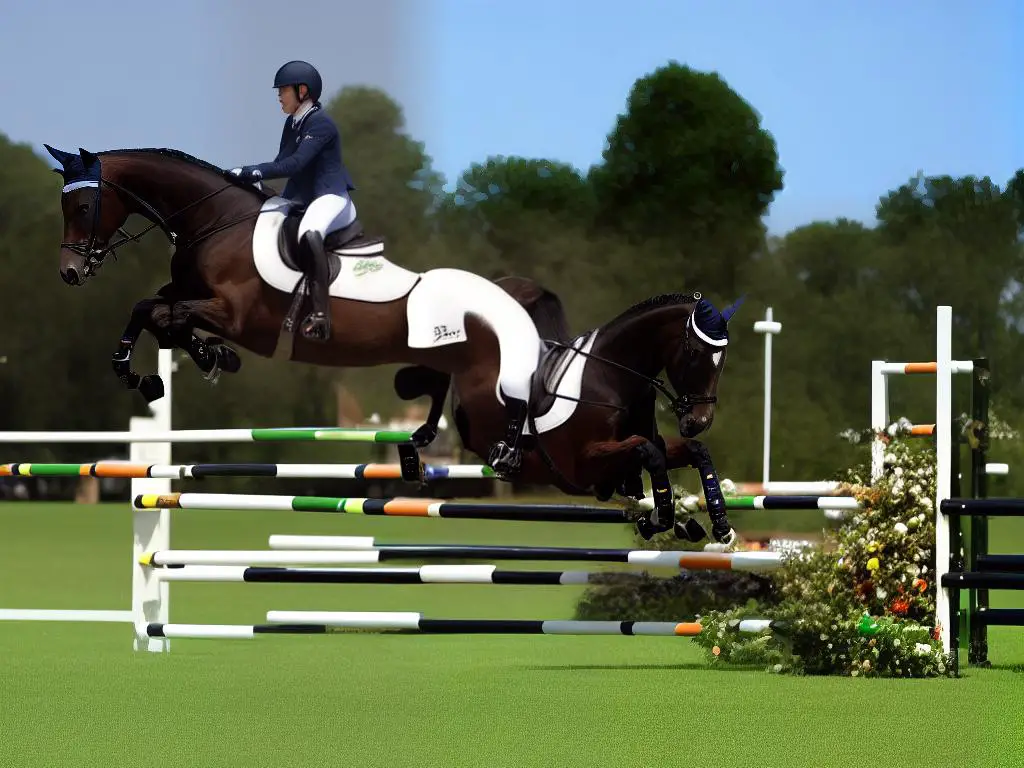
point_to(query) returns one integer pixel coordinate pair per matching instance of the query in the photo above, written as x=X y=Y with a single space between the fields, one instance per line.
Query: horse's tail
x=543 y=306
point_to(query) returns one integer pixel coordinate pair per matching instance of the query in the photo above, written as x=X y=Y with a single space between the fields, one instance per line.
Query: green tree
x=396 y=186
x=688 y=172
x=528 y=215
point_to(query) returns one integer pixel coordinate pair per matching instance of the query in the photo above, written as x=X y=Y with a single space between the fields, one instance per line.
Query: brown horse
x=604 y=384
x=233 y=275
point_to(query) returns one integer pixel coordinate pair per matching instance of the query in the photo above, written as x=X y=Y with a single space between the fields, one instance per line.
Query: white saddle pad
x=366 y=275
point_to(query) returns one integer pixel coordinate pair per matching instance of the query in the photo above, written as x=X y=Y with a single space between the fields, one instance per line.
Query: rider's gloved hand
x=246 y=173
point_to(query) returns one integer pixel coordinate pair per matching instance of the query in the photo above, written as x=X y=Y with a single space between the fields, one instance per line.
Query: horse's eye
x=82 y=209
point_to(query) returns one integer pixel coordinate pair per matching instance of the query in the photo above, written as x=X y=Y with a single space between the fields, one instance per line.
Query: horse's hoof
x=227 y=359
x=645 y=528
x=632 y=488
x=724 y=535
x=690 y=530
x=410 y=464
x=151 y=387
x=424 y=435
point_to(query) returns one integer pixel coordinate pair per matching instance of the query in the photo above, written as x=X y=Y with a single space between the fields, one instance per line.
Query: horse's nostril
x=70 y=276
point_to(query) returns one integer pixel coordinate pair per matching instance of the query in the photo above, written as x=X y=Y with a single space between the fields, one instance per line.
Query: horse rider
x=310 y=157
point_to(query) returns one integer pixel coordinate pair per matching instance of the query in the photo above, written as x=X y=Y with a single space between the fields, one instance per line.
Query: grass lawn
x=77 y=695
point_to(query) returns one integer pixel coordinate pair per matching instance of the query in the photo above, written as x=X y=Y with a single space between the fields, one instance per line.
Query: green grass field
x=77 y=695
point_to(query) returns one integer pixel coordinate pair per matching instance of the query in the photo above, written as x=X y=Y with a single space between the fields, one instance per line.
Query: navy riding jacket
x=310 y=157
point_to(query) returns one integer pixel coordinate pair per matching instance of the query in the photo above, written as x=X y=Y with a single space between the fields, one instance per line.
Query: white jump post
x=151 y=528
x=769 y=328
x=944 y=367
x=943 y=461
x=879 y=416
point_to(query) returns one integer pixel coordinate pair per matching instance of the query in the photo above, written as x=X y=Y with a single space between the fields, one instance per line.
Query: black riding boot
x=506 y=456
x=317 y=325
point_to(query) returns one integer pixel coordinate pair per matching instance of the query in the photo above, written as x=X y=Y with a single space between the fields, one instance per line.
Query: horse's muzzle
x=695 y=422
x=71 y=276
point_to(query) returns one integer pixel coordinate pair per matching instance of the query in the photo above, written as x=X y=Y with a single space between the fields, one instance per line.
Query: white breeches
x=326 y=214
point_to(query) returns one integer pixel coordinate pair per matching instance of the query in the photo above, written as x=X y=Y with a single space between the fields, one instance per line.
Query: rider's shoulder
x=322 y=117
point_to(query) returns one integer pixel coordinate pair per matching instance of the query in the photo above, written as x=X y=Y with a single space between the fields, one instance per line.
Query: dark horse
x=458 y=321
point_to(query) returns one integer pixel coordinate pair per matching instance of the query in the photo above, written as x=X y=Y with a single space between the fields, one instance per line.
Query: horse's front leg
x=150 y=386
x=693 y=453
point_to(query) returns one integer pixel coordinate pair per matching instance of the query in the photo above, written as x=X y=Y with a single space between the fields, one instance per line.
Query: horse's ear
x=58 y=155
x=87 y=157
x=728 y=312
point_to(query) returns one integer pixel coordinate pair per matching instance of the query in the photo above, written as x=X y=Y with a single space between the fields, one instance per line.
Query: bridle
x=94 y=256
x=680 y=404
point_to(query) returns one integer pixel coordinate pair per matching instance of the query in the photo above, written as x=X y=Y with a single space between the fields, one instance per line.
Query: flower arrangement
x=863 y=604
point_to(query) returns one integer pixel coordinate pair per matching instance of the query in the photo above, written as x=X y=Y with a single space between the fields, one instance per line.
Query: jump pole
x=686 y=559
x=131 y=470
x=395 y=507
x=340 y=555
x=330 y=622
x=424 y=574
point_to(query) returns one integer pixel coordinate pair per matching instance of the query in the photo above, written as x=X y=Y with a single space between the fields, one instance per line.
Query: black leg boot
x=317 y=325
x=506 y=456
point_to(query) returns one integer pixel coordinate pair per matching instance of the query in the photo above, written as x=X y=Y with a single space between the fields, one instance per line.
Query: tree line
x=675 y=204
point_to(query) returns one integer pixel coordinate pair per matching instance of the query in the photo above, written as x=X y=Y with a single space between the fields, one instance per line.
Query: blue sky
x=859 y=96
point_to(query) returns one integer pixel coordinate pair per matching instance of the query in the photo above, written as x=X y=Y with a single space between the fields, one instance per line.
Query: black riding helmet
x=296 y=73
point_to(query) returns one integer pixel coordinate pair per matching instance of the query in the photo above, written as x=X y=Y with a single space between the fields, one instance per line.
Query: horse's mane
x=654 y=302
x=185 y=157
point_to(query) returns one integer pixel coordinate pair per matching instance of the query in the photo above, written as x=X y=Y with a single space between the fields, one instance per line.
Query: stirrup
x=316 y=326
x=505 y=461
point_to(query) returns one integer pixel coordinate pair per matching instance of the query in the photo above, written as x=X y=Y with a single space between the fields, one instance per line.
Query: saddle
x=550 y=371
x=350 y=241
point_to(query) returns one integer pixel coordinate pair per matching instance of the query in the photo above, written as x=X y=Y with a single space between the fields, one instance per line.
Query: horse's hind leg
x=416 y=381
x=621 y=460
x=212 y=355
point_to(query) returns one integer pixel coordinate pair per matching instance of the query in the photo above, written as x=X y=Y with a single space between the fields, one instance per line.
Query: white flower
x=691 y=503
x=922 y=649
x=728 y=487
x=900 y=528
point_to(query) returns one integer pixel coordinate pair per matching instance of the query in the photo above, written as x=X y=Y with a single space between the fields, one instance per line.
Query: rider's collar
x=301 y=112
